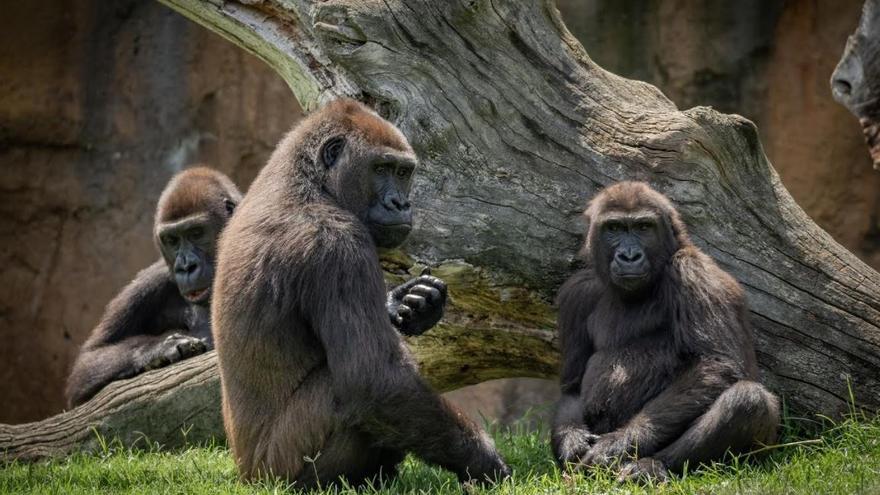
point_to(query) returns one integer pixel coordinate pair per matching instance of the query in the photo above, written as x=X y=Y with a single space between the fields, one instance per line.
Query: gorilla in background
x=658 y=365
x=163 y=315
x=317 y=385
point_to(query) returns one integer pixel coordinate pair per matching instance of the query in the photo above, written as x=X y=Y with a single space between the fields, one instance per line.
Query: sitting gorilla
x=163 y=315
x=659 y=366
x=317 y=386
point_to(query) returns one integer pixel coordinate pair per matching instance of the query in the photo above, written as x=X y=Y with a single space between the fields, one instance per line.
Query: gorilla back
x=310 y=363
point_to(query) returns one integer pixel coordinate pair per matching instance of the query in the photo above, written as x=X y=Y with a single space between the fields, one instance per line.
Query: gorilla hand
x=575 y=444
x=484 y=468
x=417 y=305
x=610 y=449
x=175 y=347
x=644 y=470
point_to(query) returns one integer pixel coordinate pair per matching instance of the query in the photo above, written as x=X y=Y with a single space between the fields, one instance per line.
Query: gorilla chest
x=198 y=322
x=619 y=381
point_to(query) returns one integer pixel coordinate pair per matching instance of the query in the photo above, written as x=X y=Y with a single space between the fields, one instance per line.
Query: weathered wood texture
x=516 y=128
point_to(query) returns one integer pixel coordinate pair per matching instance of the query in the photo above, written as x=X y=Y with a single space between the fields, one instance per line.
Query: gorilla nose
x=400 y=203
x=841 y=87
x=188 y=267
x=848 y=76
x=629 y=256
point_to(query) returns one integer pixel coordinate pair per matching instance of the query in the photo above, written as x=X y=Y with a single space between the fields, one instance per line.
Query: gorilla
x=658 y=360
x=317 y=386
x=855 y=82
x=162 y=316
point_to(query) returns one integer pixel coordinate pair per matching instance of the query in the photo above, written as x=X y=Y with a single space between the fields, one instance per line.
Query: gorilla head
x=633 y=233
x=192 y=211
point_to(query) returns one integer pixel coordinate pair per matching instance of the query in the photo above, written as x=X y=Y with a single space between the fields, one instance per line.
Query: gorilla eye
x=644 y=226
x=403 y=172
x=381 y=170
x=229 y=205
x=613 y=227
x=331 y=151
x=171 y=241
x=196 y=233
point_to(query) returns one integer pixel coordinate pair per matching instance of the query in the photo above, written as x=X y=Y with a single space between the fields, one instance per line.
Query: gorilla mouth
x=198 y=295
x=402 y=226
x=629 y=281
x=630 y=272
x=390 y=235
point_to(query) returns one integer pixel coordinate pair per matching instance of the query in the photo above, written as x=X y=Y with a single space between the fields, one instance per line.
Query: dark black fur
x=317 y=385
x=659 y=365
x=162 y=316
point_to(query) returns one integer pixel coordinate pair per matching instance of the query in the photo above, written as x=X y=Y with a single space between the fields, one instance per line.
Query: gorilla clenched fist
x=417 y=305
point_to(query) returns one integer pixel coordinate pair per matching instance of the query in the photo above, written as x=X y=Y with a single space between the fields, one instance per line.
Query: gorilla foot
x=644 y=470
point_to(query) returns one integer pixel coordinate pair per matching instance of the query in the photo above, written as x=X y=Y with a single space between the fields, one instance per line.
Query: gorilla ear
x=331 y=150
x=230 y=206
x=587 y=219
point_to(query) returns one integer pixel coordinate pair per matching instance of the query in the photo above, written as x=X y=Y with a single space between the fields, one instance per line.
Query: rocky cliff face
x=101 y=102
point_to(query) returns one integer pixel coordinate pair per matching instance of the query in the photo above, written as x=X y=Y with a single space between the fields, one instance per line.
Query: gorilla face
x=628 y=240
x=631 y=249
x=372 y=182
x=188 y=247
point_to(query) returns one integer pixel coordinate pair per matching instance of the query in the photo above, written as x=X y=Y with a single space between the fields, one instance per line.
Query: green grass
x=843 y=459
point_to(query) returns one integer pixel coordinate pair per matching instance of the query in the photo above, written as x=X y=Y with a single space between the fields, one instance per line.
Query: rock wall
x=100 y=102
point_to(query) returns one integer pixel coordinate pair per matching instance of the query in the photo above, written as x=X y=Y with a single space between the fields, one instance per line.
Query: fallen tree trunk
x=516 y=128
x=180 y=405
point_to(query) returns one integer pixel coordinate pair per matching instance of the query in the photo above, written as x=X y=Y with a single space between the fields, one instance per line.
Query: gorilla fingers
x=173 y=348
x=417 y=305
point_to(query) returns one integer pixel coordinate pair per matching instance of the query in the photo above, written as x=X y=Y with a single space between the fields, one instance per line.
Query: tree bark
x=516 y=128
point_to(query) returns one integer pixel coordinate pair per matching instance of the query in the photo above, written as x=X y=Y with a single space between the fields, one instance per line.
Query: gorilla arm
x=571 y=438
x=373 y=377
x=125 y=341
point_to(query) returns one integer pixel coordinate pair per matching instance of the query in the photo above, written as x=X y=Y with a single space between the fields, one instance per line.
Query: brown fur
x=196 y=189
x=311 y=367
x=149 y=324
x=664 y=376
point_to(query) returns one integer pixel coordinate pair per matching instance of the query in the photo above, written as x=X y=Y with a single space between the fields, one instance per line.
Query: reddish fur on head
x=352 y=115
x=195 y=190
x=631 y=196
